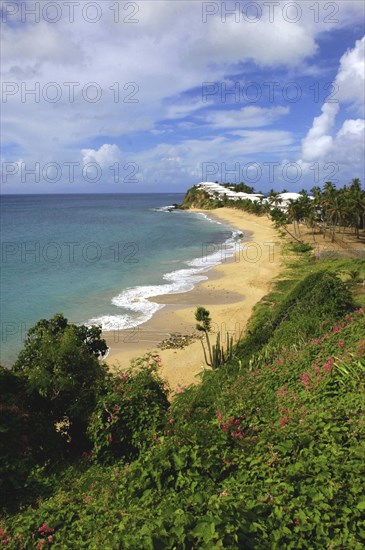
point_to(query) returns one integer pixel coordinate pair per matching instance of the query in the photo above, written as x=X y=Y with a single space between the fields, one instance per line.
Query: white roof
x=213 y=187
x=289 y=196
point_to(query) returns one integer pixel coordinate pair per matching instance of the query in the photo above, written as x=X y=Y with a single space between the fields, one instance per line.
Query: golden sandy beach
x=230 y=293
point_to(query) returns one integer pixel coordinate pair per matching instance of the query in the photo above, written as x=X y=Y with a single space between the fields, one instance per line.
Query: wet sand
x=230 y=293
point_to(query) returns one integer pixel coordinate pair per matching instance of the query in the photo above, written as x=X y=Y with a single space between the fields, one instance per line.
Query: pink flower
x=224 y=426
x=328 y=365
x=306 y=380
x=283 y=421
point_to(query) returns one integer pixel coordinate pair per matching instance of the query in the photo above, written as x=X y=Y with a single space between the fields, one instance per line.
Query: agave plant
x=215 y=356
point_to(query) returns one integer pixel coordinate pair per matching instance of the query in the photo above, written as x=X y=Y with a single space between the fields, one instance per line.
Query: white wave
x=137 y=299
x=164 y=208
x=203 y=215
x=114 y=322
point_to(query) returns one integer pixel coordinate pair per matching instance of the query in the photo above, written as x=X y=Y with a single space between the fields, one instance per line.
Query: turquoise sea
x=97 y=258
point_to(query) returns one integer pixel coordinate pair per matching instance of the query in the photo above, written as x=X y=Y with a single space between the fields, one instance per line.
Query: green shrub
x=270 y=456
x=313 y=304
x=63 y=374
x=27 y=438
x=131 y=414
x=301 y=248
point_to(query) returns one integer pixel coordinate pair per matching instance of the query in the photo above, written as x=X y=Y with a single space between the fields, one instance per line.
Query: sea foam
x=136 y=301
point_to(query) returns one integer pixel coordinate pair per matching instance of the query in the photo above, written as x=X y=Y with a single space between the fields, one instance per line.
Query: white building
x=280 y=200
x=213 y=188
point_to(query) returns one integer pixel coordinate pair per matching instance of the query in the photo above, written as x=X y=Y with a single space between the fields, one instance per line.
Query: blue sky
x=138 y=96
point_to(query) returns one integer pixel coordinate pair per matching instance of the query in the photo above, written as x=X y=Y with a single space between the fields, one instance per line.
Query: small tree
x=64 y=376
x=27 y=438
x=202 y=315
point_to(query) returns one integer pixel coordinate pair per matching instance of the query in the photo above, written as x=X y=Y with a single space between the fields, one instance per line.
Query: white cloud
x=350 y=79
x=318 y=142
x=105 y=156
x=169 y=53
x=167 y=163
x=40 y=43
x=181 y=109
x=352 y=127
x=246 y=117
x=346 y=146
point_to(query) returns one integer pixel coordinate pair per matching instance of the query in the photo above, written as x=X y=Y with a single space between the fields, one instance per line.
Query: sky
x=157 y=95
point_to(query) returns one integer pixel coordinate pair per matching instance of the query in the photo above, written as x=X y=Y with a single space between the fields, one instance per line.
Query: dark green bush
x=27 y=438
x=301 y=248
x=268 y=458
x=63 y=374
x=131 y=414
x=313 y=304
x=264 y=453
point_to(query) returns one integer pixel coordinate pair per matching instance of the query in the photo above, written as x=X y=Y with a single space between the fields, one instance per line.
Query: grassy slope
x=267 y=452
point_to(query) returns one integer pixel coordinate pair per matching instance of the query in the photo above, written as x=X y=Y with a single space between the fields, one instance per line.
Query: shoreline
x=230 y=292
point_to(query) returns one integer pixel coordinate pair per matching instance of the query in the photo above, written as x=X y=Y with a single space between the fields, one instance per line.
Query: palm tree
x=311 y=220
x=336 y=210
x=204 y=323
x=356 y=203
x=275 y=200
x=293 y=210
x=328 y=194
x=280 y=220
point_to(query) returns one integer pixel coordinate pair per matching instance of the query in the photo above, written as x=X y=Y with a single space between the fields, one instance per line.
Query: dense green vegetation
x=330 y=210
x=266 y=452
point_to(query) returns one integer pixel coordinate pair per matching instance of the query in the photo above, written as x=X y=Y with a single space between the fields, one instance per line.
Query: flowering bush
x=43 y=536
x=27 y=437
x=266 y=453
x=127 y=418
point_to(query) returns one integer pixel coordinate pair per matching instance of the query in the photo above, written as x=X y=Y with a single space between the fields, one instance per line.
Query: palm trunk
x=209 y=348
x=291 y=234
x=333 y=229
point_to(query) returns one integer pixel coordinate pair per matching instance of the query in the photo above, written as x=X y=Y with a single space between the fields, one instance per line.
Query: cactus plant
x=217 y=355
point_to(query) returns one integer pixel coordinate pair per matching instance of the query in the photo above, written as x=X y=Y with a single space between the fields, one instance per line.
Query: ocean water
x=97 y=258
